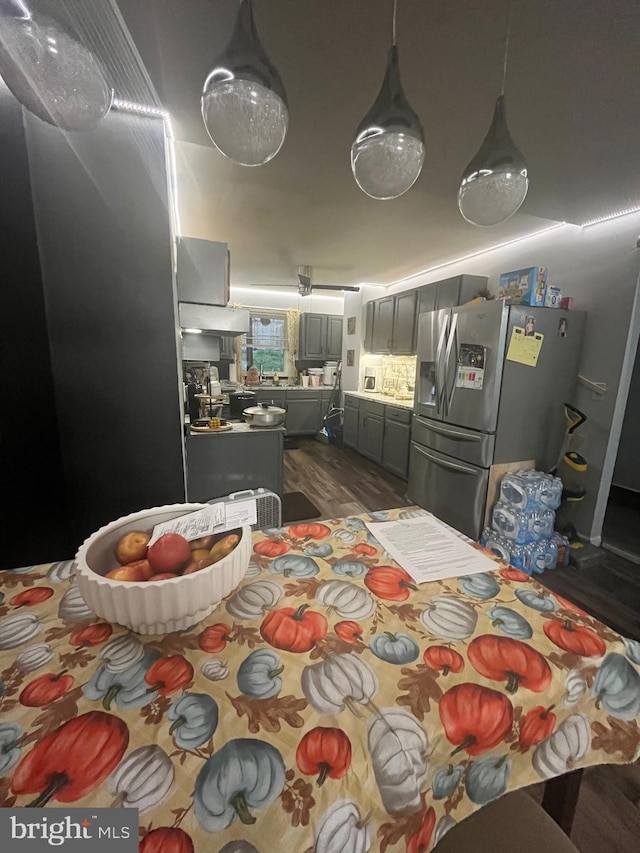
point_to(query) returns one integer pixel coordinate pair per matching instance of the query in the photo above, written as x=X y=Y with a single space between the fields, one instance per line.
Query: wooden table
x=327 y=704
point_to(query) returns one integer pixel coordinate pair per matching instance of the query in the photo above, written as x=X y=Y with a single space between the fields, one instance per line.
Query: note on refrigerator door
x=429 y=550
x=524 y=347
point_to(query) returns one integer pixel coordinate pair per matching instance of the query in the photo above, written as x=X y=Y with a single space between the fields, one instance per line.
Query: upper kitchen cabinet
x=404 y=323
x=450 y=292
x=381 y=338
x=320 y=337
x=202 y=271
x=390 y=324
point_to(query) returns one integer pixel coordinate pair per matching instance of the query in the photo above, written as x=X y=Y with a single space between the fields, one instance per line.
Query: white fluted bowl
x=160 y=607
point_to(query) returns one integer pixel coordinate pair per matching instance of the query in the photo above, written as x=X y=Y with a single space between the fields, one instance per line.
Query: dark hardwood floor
x=341 y=482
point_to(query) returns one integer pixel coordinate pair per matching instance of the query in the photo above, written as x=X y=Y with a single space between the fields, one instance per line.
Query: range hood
x=213 y=320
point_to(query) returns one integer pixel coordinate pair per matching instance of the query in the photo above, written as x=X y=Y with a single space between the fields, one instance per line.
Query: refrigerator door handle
x=452 y=433
x=440 y=373
x=454 y=466
x=453 y=336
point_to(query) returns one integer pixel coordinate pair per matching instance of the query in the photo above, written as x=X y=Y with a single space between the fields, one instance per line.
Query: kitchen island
x=246 y=457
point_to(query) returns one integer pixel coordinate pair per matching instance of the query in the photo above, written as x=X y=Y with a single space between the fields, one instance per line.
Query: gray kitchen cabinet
x=226 y=348
x=351 y=423
x=334 y=337
x=304 y=413
x=368 y=326
x=220 y=464
x=404 y=323
x=397 y=439
x=371 y=436
x=382 y=336
x=202 y=271
x=457 y=290
x=313 y=337
x=320 y=337
x=273 y=396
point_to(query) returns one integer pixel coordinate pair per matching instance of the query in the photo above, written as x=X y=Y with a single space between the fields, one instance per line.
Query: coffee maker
x=372 y=378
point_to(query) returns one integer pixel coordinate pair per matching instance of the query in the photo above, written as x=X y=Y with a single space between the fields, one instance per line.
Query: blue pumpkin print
x=510 y=623
x=321 y=549
x=536 y=601
x=487 y=778
x=445 y=781
x=355 y=523
x=616 y=687
x=350 y=568
x=379 y=515
x=127 y=689
x=22 y=570
x=394 y=648
x=10 y=746
x=633 y=649
x=294 y=565
x=244 y=775
x=481 y=586
x=258 y=674
x=194 y=720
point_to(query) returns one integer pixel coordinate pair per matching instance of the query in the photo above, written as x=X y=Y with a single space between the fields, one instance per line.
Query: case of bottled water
x=531 y=490
x=542 y=555
x=514 y=524
x=497 y=544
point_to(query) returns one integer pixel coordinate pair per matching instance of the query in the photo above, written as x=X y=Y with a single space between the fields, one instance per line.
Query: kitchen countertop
x=387 y=399
x=239 y=427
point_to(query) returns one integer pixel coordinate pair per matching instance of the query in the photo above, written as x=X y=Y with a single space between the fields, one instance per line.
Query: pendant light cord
x=506 y=47
x=395 y=16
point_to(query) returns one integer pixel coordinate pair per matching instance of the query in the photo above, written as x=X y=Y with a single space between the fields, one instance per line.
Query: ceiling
x=573 y=101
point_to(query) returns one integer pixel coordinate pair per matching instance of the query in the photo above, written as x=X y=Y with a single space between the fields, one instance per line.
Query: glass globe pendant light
x=495 y=183
x=388 y=150
x=51 y=73
x=244 y=104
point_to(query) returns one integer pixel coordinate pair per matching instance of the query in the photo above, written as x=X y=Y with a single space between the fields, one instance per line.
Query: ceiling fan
x=306 y=286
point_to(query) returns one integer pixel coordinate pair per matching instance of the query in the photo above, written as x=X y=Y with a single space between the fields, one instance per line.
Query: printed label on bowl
x=215 y=518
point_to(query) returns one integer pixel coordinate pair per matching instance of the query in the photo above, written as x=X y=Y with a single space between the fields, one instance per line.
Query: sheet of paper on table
x=429 y=550
x=215 y=518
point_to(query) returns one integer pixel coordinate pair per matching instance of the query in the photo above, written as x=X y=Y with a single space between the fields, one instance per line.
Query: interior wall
x=315 y=303
x=354 y=307
x=103 y=225
x=34 y=521
x=598 y=266
x=627 y=470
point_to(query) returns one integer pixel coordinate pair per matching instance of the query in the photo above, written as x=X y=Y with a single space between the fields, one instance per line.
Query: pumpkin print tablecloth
x=329 y=704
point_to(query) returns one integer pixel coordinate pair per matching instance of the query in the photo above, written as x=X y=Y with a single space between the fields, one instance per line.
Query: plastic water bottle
x=511 y=523
x=520 y=491
x=496 y=543
x=543 y=555
x=540 y=525
x=520 y=558
x=550 y=492
x=564 y=548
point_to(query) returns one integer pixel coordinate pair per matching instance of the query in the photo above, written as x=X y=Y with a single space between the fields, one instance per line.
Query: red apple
x=170 y=553
x=196 y=565
x=163 y=576
x=203 y=542
x=144 y=567
x=127 y=573
x=132 y=546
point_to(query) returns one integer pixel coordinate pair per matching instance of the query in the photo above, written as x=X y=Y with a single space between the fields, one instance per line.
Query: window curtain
x=293 y=329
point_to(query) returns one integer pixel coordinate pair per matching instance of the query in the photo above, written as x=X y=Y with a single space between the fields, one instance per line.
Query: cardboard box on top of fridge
x=524 y=287
x=552 y=296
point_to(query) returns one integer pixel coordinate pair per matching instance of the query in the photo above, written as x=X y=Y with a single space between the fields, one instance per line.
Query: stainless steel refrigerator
x=480 y=401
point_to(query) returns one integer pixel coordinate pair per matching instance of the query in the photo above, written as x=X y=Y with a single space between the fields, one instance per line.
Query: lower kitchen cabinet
x=351 y=423
x=371 y=436
x=220 y=464
x=304 y=414
x=380 y=432
x=395 y=449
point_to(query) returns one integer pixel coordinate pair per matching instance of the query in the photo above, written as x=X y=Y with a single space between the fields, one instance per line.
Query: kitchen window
x=265 y=347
